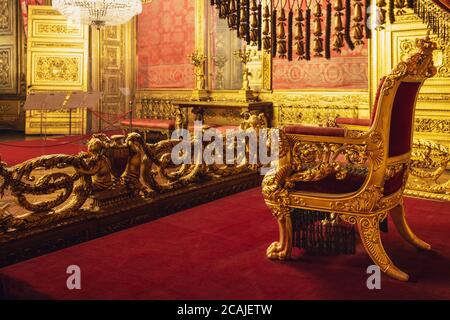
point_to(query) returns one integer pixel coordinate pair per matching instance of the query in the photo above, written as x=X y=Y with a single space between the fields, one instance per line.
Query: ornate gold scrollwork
x=428 y=165
x=112 y=167
x=418 y=66
x=315 y=161
x=364 y=202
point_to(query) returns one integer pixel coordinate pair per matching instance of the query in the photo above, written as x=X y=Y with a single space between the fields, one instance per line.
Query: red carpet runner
x=217 y=251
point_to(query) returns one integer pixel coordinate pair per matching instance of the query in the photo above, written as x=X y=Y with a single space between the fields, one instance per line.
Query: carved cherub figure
x=252 y=120
x=132 y=173
x=101 y=167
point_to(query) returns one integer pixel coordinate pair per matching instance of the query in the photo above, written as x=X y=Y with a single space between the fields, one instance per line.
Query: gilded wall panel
x=57 y=70
x=318 y=107
x=6 y=67
x=7 y=16
x=9 y=114
x=8 y=47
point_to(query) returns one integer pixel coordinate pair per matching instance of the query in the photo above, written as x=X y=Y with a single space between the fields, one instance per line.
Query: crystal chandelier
x=98 y=13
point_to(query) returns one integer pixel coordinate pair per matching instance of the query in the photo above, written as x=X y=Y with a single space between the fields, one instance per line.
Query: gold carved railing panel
x=57 y=60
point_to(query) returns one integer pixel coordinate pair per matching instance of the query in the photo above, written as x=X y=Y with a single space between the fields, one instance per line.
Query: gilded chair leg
x=369 y=232
x=282 y=249
x=399 y=218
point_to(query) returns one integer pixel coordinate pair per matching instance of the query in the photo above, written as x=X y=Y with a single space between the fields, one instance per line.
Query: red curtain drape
x=24 y=8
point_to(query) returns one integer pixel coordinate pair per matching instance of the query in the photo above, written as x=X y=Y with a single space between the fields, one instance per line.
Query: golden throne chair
x=315 y=169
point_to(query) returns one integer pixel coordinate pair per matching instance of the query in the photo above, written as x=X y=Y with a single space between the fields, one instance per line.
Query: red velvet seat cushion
x=315 y=131
x=353 y=181
x=354 y=121
x=150 y=123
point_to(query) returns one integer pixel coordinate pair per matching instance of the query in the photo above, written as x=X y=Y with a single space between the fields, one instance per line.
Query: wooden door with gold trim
x=57 y=61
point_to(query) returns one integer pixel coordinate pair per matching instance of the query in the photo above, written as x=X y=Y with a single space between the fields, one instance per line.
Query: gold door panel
x=57 y=60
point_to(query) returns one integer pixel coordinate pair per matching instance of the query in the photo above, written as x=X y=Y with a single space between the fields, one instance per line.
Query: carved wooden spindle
x=224 y=9
x=281 y=34
x=254 y=23
x=290 y=34
x=243 y=21
x=347 y=29
x=232 y=15
x=358 y=25
x=338 y=41
x=381 y=14
x=400 y=5
x=267 y=46
x=318 y=40
x=391 y=14
x=299 y=36
x=328 y=30
x=308 y=31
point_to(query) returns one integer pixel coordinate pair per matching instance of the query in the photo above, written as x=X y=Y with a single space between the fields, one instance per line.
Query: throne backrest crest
x=398 y=95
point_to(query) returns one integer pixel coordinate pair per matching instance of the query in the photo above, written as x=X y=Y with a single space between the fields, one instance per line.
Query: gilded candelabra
x=198 y=60
x=244 y=56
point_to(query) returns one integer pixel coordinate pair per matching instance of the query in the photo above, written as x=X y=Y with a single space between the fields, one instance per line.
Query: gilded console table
x=223 y=113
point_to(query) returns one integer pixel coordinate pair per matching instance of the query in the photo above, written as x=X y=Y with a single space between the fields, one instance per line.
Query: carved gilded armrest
x=312 y=158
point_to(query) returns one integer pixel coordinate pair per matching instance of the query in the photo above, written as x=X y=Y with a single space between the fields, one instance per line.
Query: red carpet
x=217 y=251
x=15 y=152
x=18 y=151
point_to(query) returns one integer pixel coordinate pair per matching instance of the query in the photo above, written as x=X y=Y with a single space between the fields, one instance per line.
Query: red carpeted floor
x=15 y=152
x=217 y=251
x=18 y=151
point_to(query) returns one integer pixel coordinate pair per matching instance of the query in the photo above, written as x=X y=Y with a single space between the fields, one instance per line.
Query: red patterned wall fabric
x=347 y=70
x=24 y=9
x=165 y=37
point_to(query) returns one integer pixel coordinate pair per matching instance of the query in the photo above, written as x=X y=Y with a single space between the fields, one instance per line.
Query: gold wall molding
x=317 y=107
x=429 y=177
x=5 y=66
x=432 y=125
x=43 y=29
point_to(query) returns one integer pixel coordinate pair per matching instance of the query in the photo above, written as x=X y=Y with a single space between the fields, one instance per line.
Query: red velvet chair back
x=395 y=111
x=395 y=101
x=402 y=118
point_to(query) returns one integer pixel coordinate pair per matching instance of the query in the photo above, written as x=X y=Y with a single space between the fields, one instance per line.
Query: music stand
x=75 y=101
x=91 y=101
x=36 y=101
